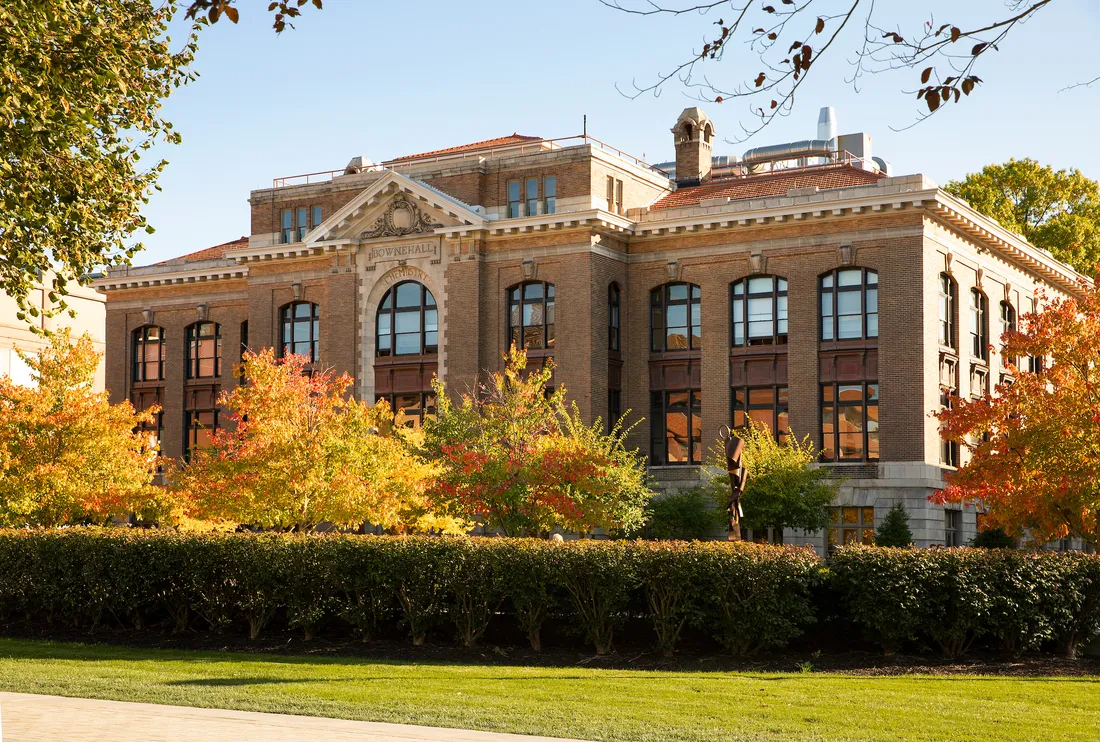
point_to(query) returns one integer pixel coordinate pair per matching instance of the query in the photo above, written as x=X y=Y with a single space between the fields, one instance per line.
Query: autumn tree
x=784 y=488
x=515 y=457
x=1057 y=210
x=82 y=83
x=299 y=451
x=67 y=455
x=774 y=46
x=1034 y=444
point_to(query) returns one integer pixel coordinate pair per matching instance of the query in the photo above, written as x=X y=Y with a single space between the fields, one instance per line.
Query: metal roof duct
x=789 y=151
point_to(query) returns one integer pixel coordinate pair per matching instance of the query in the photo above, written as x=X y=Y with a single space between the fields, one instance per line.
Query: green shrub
x=688 y=515
x=599 y=577
x=754 y=597
x=894 y=529
x=993 y=538
x=749 y=597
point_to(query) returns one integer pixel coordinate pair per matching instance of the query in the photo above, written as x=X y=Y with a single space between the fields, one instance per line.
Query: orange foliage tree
x=515 y=457
x=1035 y=443
x=300 y=451
x=67 y=455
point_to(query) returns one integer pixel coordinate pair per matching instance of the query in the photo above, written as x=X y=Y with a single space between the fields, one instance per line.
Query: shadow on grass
x=22 y=649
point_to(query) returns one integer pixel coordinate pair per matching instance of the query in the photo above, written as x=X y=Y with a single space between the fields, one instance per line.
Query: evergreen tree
x=894 y=530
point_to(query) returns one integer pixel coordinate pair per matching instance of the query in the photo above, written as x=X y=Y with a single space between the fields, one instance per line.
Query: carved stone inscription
x=403 y=251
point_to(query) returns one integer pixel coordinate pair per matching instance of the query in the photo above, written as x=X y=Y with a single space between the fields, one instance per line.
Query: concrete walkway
x=26 y=718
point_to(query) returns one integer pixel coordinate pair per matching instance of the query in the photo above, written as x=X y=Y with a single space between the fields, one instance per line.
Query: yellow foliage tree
x=300 y=452
x=67 y=455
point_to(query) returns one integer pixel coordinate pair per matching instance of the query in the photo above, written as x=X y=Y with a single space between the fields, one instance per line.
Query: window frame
x=516 y=297
x=531 y=202
x=834 y=532
x=192 y=346
x=140 y=343
x=192 y=426
x=744 y=299
x=293 y=228
x=660 y=303
x=1008 y=324
x=866 y=433
x=425 y=349
x=514 y=204
x=425 y=411
x=780 y=407
x=614 y=317
x=550 y=194
x=979 y=326
x=952 y=527
x=659 y=433
x=287 y=316
x=829 y=283
x=949 y=293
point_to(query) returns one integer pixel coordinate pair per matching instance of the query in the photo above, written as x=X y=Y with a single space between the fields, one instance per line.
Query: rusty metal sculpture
x=735 y=448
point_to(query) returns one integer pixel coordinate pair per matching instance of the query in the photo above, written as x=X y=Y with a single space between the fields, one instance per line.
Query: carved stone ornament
x=1008 y=291
x=673 y=269
x=979 y=276
x=201 y=310
x=759 y=262
x=400 y=218
x=147 y=316
x=528 y=269
x=846 y=255
x=296 y=287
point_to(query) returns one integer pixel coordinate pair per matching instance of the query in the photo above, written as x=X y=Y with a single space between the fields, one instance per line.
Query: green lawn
x=572 y=702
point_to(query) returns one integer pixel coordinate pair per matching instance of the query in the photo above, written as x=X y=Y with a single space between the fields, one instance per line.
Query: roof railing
x=534 y=145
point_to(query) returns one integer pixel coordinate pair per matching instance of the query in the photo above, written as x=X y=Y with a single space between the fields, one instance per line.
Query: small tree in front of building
x=515 y=457
x=300 y=452
x=894 y=529
x=67 y=455
x=1034 y=444
x=784 y=488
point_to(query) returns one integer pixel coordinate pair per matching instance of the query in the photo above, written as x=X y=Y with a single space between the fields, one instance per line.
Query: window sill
x=675 y=355
x=758 y=350
x=863 y=343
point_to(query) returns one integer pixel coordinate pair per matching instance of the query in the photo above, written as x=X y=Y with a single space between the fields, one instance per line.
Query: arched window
x=204 y=350
x=148 y=356
x=947 y=311
x=408 y=322
x=979 y=325
x=531 y=315
x=849 y=304
x=613 y=309
x=675 y=317
x=758 y=311
x=301 y=330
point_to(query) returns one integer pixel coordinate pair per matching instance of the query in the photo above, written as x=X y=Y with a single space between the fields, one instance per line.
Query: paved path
x=26 y=718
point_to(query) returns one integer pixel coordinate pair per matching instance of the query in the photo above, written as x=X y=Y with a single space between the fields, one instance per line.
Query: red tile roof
x=770 y=184
x=486 y=144
x=215 y=252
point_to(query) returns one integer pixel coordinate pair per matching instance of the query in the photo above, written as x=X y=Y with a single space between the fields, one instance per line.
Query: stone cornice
x=170 y=277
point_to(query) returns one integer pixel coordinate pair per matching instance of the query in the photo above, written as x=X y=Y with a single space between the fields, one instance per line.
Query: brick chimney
x=693 y=134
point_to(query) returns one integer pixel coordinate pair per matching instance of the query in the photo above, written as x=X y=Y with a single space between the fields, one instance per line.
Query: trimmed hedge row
x=746 y=597
x=1018 y=600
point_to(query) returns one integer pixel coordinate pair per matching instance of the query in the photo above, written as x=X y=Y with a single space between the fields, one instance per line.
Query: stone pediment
x=393 y=206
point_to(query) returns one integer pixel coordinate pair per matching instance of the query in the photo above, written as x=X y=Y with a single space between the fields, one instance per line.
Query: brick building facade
x=802 y=286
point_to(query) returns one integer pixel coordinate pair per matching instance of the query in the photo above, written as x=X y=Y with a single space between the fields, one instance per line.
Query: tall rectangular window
x=952 y=528
x=550 y=195
x=532 y=196
x=315 y=218
x=287 y=226
x=199 y=426
x=513 y=199
x=614 y=407
x=618 y=197
x=676 y=432
x=849 y=421
x=303 y=222
x=849 y=304
x=947 y=311
x=610 y=193
x=979 y=325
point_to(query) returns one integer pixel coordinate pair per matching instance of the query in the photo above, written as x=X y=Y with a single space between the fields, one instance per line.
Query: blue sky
x=384 y=79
